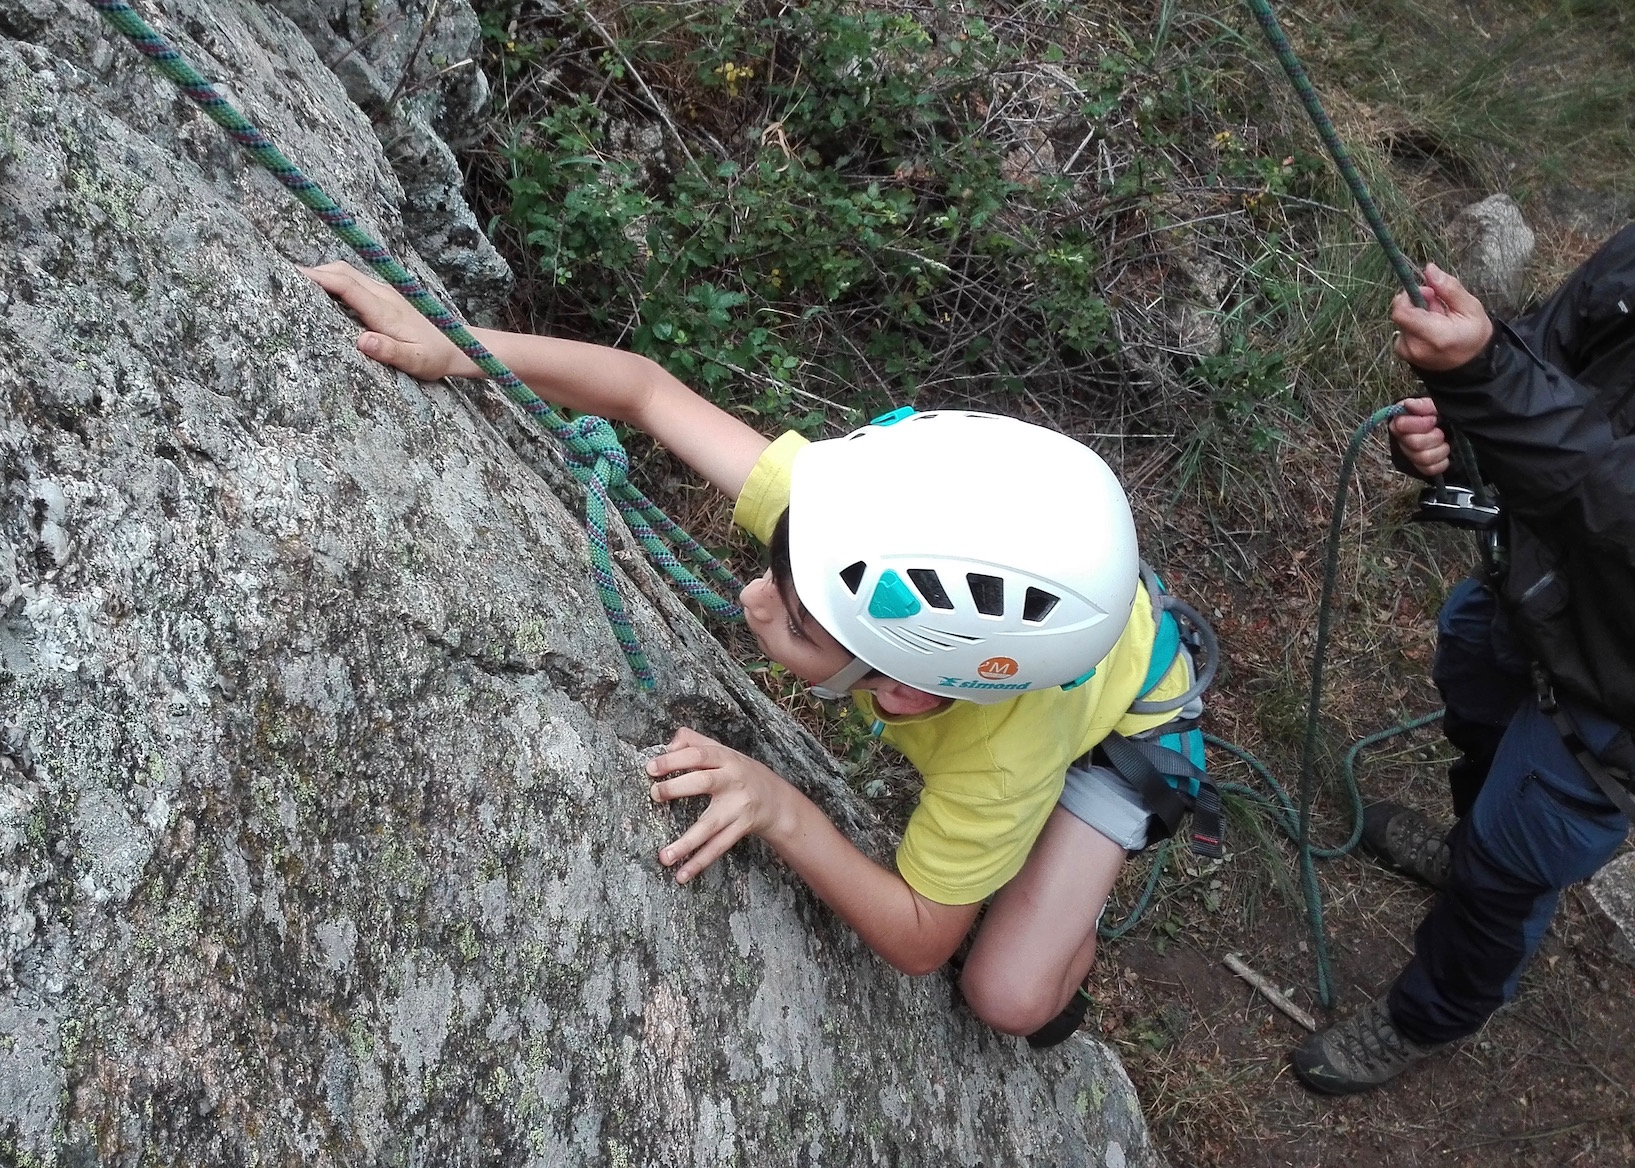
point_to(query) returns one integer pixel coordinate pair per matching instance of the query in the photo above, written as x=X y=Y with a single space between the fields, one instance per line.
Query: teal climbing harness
x=591 y=448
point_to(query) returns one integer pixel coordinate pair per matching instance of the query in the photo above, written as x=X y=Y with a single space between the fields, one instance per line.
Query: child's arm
x=591 y=378
x=746 y=798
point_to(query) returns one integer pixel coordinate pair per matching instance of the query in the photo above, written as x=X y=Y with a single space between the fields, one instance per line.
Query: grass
x=1529 y=94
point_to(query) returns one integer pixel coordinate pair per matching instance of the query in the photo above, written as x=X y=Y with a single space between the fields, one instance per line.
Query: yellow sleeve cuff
x=765 y=496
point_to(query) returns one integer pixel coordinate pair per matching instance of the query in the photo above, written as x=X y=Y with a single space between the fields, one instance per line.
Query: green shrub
x=856 y=222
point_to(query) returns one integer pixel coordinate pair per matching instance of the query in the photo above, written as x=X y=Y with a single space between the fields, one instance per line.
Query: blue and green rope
x=1293 y=817
x=591 y=448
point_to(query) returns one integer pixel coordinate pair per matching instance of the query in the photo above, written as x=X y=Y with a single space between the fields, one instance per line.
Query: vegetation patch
x=812 y=213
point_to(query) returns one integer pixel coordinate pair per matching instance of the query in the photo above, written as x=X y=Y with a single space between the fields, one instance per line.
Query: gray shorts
x=1101 y=797
x=1104 y=799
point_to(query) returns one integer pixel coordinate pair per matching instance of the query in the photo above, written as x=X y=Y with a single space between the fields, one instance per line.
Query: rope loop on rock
x=589 y=441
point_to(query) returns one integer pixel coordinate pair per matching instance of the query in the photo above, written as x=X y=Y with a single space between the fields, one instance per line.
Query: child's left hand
x=746 y=798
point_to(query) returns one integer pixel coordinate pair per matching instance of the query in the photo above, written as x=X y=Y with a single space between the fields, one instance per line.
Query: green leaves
x=850 y=223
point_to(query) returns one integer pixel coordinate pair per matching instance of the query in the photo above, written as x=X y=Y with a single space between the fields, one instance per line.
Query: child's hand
x=1418 y=434
x=1452 y=328
x=398 y=335
x=745 y=799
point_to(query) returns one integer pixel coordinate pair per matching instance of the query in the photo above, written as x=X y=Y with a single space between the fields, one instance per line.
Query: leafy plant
x=854 y=207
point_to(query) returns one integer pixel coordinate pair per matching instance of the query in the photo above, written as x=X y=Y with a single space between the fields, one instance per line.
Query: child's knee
x=1011 y=1004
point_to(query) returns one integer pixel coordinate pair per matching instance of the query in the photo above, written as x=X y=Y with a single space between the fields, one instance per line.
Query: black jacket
x=1549 y=408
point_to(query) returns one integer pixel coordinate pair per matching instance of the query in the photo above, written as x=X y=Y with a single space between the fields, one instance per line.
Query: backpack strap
x=1615 y=784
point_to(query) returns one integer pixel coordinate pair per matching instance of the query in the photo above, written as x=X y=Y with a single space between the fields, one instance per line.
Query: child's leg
x=1038 y=937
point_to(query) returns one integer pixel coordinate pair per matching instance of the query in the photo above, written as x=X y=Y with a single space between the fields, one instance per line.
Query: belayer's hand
x=397 y=334
x=1418 y=434
x=1450 y=330
x=744 y=798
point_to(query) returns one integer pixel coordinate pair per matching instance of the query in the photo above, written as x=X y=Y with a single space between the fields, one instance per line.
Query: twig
x=1271 y=993
x=357 y=45
x=1067 y=167
x=414 y=54
x=1544 y=1133
x=662 y=110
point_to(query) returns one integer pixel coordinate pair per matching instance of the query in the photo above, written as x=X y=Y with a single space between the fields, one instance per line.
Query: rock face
x=321 y=838
x=1492 y=247
x=1613 y=890
x=410 y=66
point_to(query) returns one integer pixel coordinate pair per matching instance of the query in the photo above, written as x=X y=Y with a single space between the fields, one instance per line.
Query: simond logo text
x=965 y=683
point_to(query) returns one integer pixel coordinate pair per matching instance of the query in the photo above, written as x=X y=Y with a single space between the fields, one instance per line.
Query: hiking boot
x=1363 y=1052
x=1409 y=842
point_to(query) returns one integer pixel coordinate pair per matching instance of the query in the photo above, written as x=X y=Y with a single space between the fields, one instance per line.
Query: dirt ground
x=1549 y=1081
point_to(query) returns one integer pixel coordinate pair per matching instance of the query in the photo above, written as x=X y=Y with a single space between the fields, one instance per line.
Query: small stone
x=1492 y=246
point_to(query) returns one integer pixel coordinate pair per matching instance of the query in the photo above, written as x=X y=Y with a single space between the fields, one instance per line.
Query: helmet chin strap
x=834 y=688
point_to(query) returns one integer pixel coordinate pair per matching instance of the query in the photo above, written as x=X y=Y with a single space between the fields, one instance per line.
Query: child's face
x=805 y=649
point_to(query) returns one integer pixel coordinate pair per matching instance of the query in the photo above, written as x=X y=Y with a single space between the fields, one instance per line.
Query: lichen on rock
x=322 y=835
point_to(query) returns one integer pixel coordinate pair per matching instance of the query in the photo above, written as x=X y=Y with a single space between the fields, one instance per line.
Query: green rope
x=1160 y=858
x=1405 y=272
x=1294 y=818
x=1464 y=452
x=1307 y=93
x=592 y=450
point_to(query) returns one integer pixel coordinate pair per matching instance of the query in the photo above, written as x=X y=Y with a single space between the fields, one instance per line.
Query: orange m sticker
x=997 y=668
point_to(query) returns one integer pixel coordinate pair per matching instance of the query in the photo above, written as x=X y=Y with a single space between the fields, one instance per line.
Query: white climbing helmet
x=968 y=555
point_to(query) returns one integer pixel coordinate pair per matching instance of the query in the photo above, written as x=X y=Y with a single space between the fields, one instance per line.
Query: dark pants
x=1531 y=822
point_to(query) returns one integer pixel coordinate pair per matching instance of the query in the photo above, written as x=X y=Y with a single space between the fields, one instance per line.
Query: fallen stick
x=1271 y=993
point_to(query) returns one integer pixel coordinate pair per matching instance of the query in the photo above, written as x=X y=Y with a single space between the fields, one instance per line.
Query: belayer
x=973 y=582
x=1535 y=656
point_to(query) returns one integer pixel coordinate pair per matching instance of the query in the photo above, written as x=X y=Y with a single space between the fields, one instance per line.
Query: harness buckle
x=1206 y=822
x=1458 y=506
x=1546 y=692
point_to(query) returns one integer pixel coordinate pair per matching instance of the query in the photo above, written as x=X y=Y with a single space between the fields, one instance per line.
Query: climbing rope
x=1406 y=274
x=1294 y=818
x=1307 y=93
x=1466 y=455
x=591 y=448
x=1295 y=821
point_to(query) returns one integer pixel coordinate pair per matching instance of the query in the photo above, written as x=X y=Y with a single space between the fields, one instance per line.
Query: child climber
x=973 y=581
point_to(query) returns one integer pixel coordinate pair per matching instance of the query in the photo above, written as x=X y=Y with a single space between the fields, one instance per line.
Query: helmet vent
x=909 y=640
x=968 y=639
x=852 y=576
x=1037 y=605
x=930 y=587
x=987 y=593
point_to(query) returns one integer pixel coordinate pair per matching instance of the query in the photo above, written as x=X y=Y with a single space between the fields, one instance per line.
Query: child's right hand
x=746 y=798
x=1418 y=434
x=397 y=334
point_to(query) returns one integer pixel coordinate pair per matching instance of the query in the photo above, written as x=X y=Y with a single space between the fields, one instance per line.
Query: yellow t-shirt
x=992 y=772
